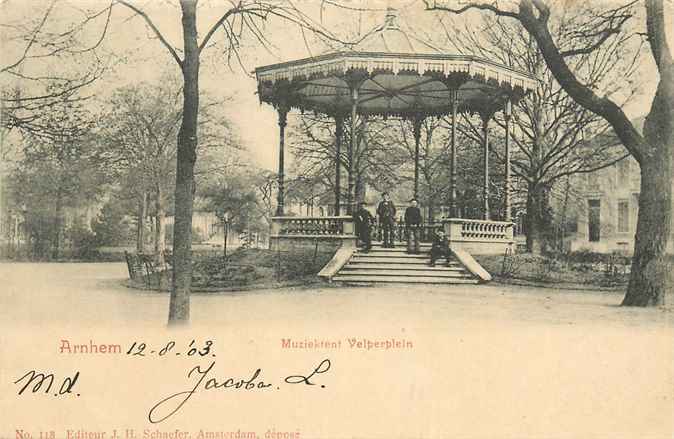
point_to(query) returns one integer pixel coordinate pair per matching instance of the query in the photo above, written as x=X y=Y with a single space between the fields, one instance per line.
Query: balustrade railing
x=400 y=230
x=484 y=230
x=479 y=230
x=326 y=226
x=479 y=236
x=476 y=235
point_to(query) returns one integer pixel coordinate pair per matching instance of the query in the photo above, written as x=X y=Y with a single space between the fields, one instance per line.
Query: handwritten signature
x=170 y=405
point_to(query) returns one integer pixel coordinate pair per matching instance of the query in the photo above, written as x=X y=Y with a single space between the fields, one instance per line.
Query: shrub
x=245 y=266
x=112 y=227
x=83 y=242
x=544 y=268
x=585 y=256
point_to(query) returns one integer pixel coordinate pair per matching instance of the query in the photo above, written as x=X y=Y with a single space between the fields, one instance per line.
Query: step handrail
x=339 y=260
x=467 y=260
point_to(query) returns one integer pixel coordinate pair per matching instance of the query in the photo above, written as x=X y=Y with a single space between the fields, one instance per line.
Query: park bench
x=142 y=267
x=134 y=265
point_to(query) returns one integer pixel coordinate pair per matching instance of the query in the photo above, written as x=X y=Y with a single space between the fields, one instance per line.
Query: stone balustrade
x=298 y=230
x=426 y=231
x=475 y=236
x=480 y=236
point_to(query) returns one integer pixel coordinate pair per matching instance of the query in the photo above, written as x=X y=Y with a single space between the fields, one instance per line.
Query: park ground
x=488 y=361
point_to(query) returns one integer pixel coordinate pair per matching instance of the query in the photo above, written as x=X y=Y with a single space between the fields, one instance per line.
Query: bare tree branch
x=154 y=28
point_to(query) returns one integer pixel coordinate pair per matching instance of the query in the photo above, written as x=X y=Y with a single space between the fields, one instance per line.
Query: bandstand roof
x=396 y=74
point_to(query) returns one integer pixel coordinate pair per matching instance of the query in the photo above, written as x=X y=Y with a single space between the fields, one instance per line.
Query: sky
x=136 y=55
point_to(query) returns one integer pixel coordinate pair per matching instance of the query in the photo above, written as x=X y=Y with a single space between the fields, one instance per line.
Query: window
x=571 y=225
x=623 y=216
x=594 y=219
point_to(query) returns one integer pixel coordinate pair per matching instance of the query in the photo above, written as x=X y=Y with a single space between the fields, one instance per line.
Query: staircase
x=388 y=265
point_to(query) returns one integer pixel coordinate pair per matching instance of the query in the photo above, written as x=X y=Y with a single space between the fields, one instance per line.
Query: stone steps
x=399 y=247
x=404 y=267
x=386 y=265
x=401 y=279
x=456 y=273
x=390 y=259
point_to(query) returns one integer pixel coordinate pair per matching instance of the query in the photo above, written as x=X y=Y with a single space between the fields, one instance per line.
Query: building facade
x=606 y=207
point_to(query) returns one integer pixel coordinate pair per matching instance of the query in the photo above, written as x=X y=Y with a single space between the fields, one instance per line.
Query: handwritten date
x=193 y=349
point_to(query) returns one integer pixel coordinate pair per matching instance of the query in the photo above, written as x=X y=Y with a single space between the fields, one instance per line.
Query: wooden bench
x=142 y=267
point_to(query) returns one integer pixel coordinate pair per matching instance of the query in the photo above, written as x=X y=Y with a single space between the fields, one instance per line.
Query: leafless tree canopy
x=599 y=26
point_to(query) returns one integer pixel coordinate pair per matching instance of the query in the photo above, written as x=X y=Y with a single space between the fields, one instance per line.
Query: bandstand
x=392 y=73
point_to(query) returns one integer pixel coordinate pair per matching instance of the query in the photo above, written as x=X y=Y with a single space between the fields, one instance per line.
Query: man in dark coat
x=386 y=212
x=363 y=219
x=412 y=224
x=440 y=247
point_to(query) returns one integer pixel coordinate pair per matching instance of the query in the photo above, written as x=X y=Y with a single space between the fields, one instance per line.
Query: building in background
x=606 y=209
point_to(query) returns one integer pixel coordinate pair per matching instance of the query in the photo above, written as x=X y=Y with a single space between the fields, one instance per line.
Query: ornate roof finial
x=391 y=21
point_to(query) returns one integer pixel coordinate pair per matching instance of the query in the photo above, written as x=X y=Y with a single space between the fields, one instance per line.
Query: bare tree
x=266 y=184
x=552 y=131
x=238 y=22
x=433 y=158
x=28 y=95
x=241 y=19
x=38 y=41
x=55 y=173
x=653 y=149
x=374 y=160
x=138 y=148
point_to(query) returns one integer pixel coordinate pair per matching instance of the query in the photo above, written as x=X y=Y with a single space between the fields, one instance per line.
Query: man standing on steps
x=386 y=212
x=363 y=219
x=412 y=224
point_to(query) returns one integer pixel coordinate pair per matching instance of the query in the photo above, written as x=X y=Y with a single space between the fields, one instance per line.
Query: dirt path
x=486 y=361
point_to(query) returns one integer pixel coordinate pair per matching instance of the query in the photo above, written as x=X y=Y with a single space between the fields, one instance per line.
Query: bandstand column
x=507 y=113
x=282 y=121
x=417 y=138
x=452 y=159
x=352 y=146
x=339 y=130
x=485 y=187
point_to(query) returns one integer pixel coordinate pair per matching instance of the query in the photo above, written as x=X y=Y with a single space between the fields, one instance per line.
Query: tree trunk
x=359 y=188
x=140 y=231
x=534 y=218
x=179 y=306
x=648 y=279
x=565 y=208
x=653 y=150
x=649 y=265
x=159 y=229
x=58 y=213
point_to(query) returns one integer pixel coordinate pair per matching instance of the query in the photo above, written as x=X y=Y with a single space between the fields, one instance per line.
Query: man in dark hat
x=386 y=212
x=440 y=247
x=412 y=224
x=363 y=220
